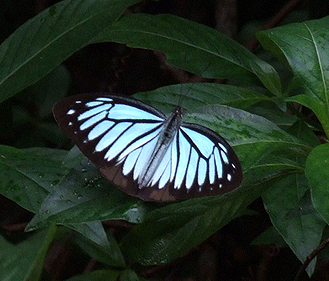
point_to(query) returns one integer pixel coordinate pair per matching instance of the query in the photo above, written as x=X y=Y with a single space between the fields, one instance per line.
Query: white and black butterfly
x=145 y=153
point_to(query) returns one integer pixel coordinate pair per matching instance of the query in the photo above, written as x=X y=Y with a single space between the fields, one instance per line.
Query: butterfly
x=146 y=154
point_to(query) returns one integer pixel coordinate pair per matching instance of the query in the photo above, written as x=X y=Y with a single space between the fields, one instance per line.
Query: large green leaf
x=301 y=231
x=24 y=261
x=192 y=47
x=171 y=231
x=46 y=40
x=305 y=48
x=317 y=173
x=194 y=95
x=84 y=195
x=28 y=176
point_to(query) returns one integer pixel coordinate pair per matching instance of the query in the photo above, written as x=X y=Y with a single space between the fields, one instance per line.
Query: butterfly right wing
x=117 y=134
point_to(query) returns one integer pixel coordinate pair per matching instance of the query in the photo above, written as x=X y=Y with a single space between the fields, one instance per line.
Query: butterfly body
x=169 y=130
x=145 y=153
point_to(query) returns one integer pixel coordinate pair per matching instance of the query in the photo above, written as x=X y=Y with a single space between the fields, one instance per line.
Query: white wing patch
x=204 y=144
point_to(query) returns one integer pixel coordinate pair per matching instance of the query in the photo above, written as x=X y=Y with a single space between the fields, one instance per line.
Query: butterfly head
x=178 y=112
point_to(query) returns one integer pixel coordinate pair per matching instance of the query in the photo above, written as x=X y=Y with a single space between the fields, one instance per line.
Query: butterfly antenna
x=188 y=84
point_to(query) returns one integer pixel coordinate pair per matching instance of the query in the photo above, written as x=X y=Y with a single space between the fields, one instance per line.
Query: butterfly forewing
x=121 y=135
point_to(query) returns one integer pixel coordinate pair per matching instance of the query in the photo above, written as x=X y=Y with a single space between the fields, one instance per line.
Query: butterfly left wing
x=117 y=134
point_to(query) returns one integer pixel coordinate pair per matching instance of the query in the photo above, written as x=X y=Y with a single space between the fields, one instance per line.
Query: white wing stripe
x=143 y=159
x=184 y=147
x=219 y=164
x=130 y=161
x=94 y=111
x=123 y=111
x=174 y=157
x=212 y=172
x=161 y=168
x=93 y=120
x=222 y=147
x=111 y=136
x=202 y=170
x=224 y=156
x=104 y=99
x=191 y=170
x=94 y=103
x=165 y=177
x=100 y=129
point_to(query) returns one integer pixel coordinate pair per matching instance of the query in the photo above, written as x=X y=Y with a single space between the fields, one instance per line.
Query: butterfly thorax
x=170 y=127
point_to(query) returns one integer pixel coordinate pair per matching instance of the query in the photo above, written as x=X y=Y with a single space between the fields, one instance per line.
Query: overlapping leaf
x=192 y=47
x=193 y=95
x=304 y=47
x=28 y=176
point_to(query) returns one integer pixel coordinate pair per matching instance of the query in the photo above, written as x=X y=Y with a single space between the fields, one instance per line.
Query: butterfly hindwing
x=211 y=166
x=120 y=134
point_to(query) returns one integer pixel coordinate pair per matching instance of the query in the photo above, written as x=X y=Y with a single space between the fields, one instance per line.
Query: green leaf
x=28 y=176
x=302 y=232
x=84 y=195
x=317 y=173
x=97 y=243
x=304 y=47
x=192 y=47
x=97 y=275
x=46 y=40
x=194 y=95
x=24 y=261
x=174 y=229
